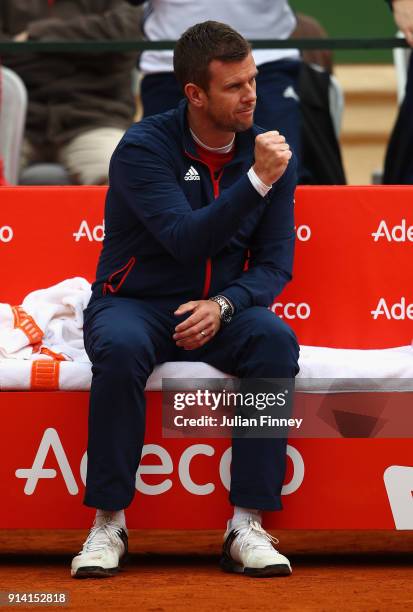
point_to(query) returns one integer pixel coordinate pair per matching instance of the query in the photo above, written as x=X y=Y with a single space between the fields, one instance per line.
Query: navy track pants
x=125 y=338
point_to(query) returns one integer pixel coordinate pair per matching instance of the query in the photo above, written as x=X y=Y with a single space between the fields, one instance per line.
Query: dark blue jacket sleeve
x=271 y=251
x=147 y=184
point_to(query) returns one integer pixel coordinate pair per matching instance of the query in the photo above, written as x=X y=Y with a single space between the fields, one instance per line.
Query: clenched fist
x=272 y=154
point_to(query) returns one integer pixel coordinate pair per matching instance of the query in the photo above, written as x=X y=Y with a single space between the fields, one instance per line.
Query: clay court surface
x=179 y=571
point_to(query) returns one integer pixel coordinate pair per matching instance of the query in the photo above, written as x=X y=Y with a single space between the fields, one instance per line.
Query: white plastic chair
x=13 y=108
x=336 y=100
x=401 y=58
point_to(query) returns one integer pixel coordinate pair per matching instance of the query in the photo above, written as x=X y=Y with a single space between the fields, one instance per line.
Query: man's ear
x=195 y=94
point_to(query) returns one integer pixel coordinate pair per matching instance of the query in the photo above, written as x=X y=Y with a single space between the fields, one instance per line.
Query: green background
x=352 y=19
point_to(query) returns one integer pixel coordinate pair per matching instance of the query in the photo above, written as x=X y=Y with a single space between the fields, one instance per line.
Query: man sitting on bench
x=195 y=194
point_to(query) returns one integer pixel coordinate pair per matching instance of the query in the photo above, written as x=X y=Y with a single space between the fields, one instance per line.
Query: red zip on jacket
x=215 y=163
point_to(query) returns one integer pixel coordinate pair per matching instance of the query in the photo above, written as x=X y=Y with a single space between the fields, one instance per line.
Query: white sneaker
x=248 y=549
x=105 y=547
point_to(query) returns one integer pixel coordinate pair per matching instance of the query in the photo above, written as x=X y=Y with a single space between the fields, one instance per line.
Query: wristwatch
x=227 y=309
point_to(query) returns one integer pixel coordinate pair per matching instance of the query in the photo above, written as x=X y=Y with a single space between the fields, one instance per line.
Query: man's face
x=231 y=97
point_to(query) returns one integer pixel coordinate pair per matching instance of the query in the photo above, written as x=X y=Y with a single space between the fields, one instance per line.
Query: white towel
x=42 y=334
x=41 y=347
x=49 y=319
x=325 y=369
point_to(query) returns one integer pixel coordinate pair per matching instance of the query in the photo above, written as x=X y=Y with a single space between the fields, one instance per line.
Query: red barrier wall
x=352 y=289
x=330 y=484
x=353 y=274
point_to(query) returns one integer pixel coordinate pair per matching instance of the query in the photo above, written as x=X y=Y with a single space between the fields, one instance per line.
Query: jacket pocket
x=116 y=279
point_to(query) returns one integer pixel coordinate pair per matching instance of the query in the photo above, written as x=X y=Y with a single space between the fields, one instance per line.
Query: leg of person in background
x=159 y=93
x=278 y=105
x=86 y=157
x=398 y=166
x=29 y=154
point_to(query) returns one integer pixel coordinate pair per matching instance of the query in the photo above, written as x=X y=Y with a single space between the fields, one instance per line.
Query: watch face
x=226 y=313
x=225 y=309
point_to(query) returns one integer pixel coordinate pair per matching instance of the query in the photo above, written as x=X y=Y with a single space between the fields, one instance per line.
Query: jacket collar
x=244 y=141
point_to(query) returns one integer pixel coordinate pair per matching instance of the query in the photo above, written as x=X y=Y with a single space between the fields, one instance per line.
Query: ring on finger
x=203 y=334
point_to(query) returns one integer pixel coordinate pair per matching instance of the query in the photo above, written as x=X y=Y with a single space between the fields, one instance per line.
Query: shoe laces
x=254 y=536
x=101 y=536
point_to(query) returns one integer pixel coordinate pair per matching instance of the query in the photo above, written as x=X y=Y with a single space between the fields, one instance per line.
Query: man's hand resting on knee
x=200 y=326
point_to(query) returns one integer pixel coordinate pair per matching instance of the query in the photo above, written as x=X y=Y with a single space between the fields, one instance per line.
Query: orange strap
x=45 y=375
x=27 y=324
x=44 y=350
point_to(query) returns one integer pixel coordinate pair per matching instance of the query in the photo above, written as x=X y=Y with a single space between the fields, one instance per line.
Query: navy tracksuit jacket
x=175 y=233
